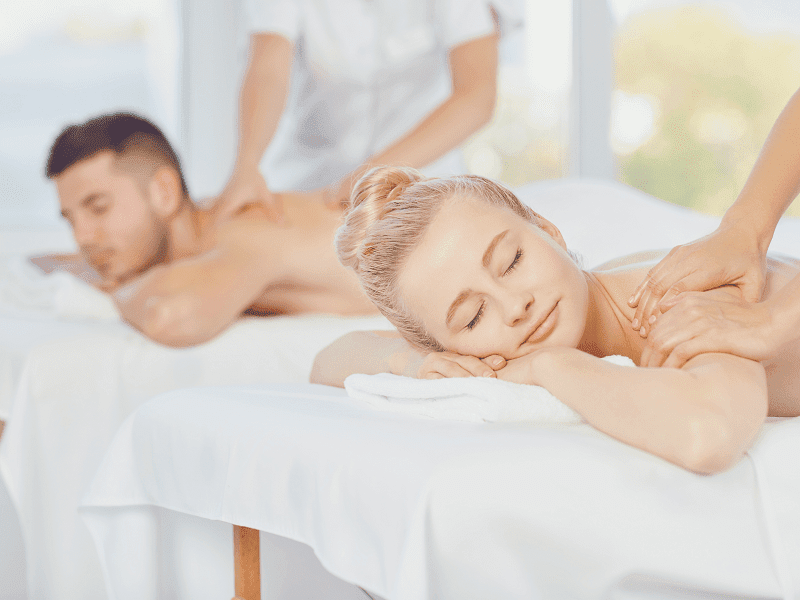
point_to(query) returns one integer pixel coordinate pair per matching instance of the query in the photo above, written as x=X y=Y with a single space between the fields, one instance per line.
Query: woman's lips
x=545 y=327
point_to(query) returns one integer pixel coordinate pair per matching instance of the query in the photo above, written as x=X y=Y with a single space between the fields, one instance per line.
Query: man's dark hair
x=121 y=133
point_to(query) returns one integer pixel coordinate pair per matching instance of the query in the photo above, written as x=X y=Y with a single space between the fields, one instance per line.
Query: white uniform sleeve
x=274 y=16
x=465 y=20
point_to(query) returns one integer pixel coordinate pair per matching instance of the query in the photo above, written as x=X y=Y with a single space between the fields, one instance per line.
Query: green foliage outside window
x=717 y=89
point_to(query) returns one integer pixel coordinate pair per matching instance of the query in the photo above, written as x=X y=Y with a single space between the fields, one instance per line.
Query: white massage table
x=414 y=509
x=77 y=378
x=70 y=372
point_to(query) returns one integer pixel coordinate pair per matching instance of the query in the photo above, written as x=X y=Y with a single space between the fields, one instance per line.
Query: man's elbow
x=175 y=322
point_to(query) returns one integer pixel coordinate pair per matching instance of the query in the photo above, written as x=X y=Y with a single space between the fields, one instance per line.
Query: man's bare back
x=312 y=280
x=182 y=274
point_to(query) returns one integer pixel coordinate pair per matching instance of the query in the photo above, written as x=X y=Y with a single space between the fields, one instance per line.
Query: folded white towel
x=26 y=290
x=475 y=399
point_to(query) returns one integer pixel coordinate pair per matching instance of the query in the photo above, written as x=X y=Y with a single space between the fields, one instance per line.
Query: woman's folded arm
x=702 y=417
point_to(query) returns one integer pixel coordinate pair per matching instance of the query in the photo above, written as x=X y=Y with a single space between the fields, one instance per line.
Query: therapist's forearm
x=774 y=181
x=473 y=69
x=263 y=97
x=449 y=125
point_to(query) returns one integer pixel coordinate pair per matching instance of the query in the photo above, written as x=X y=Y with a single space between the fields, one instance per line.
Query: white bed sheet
x=71 y=371
x=72 y=378
x=413 y=508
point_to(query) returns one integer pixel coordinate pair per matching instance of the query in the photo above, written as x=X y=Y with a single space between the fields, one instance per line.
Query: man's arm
x=191 y=300
x=473 y=68
x=261 y=103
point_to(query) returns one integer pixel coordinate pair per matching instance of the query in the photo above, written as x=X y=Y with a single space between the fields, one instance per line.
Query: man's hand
x=729 y=255
x=247 y=186
x=438 y=365
x=714 y=321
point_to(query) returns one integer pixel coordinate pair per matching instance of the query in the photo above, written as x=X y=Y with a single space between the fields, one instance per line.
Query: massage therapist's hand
x=438 y=365
x=248 y=186
x=714 y=321
x=337 y=195
x=729 y=255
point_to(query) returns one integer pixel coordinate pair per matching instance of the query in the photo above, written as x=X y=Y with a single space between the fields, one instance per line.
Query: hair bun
x=372 y=199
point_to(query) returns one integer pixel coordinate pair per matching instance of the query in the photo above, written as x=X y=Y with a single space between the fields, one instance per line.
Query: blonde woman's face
x=486 y=281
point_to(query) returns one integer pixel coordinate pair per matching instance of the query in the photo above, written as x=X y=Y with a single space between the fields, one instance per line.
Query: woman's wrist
x=404 y=360
x=750 y=227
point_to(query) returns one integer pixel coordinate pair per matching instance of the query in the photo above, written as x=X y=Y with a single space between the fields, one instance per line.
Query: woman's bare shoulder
x=637 y=260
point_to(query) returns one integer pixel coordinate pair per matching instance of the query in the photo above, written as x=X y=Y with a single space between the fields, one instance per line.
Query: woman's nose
x=517 y=308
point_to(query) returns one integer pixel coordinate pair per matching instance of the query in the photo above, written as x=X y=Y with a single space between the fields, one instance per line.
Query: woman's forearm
x=774 y=181
x=367 y=352
x=702 y=417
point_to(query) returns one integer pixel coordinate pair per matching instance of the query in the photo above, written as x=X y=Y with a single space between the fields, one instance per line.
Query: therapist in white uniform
x=334 y=86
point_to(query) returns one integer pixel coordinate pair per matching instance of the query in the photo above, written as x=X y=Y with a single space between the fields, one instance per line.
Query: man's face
x=112 y=217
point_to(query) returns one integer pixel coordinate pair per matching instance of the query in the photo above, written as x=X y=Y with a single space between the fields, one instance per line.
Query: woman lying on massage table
x=483 y=286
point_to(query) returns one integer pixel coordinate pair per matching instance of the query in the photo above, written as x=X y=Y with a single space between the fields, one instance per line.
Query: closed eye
x=514 y=262
x=471 y=325
x=99 y=207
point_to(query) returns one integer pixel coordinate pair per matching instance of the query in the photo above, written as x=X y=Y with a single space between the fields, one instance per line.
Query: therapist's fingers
x=683 y=353
x=646 y=314
x=654 y=280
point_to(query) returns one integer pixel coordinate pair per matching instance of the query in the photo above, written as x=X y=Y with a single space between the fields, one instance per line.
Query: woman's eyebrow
x=487 y=256
x=454 y=306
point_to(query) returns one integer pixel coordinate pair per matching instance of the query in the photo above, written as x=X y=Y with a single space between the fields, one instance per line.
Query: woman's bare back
x=621 y=276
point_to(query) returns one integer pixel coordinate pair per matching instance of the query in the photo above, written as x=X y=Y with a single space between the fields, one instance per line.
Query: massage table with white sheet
x=414 y=508
x=69 y=395
x=70 y=373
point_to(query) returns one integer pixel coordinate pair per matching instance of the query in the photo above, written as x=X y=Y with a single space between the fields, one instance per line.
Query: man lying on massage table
x=179 y=273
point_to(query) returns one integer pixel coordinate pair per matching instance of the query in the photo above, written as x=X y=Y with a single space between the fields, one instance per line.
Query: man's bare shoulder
x=305 y=220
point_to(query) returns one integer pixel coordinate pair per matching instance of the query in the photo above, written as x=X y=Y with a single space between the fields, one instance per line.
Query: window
x=62 y=61
x=698 y=87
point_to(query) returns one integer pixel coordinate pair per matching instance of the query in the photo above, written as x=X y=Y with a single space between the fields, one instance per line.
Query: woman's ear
x=166 y=193
x=552 y=231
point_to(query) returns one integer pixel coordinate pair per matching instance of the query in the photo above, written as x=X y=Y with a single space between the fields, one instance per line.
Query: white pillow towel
x=474 y=399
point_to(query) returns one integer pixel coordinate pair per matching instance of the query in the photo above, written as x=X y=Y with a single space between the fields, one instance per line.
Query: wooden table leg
x=246 y=563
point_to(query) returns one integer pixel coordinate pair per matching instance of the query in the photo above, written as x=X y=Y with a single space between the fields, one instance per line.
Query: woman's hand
x=248 y=186
x=525 y=368
x=730 y=255
x=438 y=365
x=701 y=322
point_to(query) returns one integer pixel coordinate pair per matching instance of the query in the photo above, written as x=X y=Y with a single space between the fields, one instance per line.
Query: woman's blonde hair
x=390 y=210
